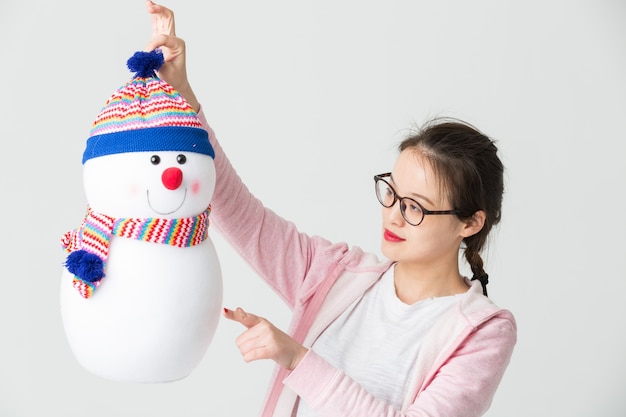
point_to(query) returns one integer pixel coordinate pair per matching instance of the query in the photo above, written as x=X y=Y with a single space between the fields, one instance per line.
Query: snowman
x=141 y=289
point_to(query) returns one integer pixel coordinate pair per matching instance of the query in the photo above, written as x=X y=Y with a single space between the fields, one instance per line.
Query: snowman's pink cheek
x=133 y=189
x=195 y=187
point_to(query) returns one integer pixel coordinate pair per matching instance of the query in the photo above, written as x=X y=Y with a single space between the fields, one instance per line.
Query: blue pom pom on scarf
x=88 y=266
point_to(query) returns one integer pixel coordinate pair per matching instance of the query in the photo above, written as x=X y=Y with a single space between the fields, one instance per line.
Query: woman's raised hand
x=174 y=70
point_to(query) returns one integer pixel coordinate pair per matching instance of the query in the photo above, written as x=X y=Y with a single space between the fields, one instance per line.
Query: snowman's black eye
x=155 y=159
x=181 y=159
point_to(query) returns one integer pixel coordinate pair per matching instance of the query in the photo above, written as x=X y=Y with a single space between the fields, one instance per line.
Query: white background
x=310 y=99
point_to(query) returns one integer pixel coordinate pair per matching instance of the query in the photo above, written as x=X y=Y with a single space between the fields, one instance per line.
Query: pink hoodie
x=462 y=359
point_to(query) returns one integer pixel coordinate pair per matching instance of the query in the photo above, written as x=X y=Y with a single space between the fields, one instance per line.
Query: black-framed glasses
x=412 y=211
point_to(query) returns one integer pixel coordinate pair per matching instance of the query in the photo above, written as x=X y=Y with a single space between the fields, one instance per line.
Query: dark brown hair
x=470 y=174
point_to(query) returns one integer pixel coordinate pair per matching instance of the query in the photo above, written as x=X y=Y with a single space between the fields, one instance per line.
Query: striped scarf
x=88 y=246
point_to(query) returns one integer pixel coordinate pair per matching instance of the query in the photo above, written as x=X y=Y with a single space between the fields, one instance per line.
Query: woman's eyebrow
x=419 y=196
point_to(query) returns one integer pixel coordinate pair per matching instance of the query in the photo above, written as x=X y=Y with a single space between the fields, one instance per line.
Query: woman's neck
x=414 y=283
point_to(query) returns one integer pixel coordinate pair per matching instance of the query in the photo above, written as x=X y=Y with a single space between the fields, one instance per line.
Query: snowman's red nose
x=172 y=178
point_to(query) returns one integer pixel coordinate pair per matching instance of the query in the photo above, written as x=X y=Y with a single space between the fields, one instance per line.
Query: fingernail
x=226 y=310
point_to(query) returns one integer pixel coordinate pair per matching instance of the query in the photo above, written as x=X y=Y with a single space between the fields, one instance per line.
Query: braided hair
x=471 y=174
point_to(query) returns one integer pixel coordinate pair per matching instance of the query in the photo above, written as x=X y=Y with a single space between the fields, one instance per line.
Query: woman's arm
x=270 y=244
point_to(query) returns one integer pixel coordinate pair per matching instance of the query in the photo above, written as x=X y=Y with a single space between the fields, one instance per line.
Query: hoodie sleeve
x=271 y=245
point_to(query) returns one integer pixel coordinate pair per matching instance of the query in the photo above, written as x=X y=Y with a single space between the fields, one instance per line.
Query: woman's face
x=436 y=240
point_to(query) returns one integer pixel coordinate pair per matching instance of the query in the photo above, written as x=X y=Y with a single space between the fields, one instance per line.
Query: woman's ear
x=474 y=224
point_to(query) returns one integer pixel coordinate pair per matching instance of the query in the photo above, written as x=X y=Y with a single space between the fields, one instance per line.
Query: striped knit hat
x=146 y=114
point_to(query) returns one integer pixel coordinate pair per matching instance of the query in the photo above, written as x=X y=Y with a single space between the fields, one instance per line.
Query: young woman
x=404 y=336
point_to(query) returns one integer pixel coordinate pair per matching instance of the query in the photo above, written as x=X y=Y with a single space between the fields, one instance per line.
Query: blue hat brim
x=155 y=139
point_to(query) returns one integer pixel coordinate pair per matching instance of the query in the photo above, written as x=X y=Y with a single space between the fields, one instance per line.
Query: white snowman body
x=156 y=310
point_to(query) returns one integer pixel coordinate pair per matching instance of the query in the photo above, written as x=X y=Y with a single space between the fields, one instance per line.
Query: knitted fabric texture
x=146 y=114
x=88 y=246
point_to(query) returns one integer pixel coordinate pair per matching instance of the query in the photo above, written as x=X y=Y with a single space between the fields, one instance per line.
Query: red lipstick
x=391 y=237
